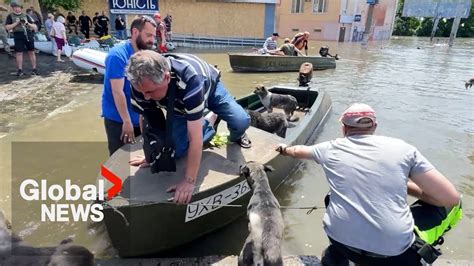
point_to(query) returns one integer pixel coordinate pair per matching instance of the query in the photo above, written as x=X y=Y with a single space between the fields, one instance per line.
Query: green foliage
x=414 y=26
x=220 y=139
x=53 y=5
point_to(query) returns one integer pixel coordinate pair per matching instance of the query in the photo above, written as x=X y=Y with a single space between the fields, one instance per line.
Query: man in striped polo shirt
x=198 y=88
x=270 y=44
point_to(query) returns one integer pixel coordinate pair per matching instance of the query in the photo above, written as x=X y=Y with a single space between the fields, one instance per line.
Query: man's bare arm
x=434 y=188
x=121 y=105
x=298 y=151
x=195 y=149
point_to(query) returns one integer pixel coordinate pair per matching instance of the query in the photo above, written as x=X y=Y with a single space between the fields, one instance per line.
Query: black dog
x=263 y=245
x=272 y=122
x=13 y=251
x=469 y=83
x=269 y=100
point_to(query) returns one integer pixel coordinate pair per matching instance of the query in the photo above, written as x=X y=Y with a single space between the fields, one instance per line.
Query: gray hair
x=146 y=64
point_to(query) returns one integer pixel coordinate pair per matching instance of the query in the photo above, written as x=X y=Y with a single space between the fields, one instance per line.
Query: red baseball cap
x=353 y=115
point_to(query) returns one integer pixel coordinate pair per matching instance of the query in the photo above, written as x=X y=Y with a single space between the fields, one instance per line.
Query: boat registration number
x=207 y=205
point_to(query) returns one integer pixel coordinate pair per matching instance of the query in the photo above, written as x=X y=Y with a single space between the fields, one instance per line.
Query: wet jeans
x=226 y=108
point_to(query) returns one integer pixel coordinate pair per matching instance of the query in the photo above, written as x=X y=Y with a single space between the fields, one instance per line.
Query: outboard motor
x=324 y=51
x=305 y=74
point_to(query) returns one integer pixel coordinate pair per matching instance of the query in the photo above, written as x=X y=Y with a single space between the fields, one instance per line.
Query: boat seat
x=218 y=165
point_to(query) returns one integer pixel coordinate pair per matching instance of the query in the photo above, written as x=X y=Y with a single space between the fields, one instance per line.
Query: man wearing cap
x=270 y=44
x=23 y=28
x=368 y=219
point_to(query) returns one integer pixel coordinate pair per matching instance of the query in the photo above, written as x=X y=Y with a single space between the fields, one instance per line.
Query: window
x=320 y=6
x=297 y=6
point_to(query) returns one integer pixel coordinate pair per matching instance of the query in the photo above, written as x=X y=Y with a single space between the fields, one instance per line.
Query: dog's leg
x=246 y=255
x=281 y=132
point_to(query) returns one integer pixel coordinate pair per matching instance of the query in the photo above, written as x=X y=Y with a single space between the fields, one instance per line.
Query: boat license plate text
x=207 y=205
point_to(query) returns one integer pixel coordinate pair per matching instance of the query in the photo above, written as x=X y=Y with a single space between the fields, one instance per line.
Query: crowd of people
x=23 y=26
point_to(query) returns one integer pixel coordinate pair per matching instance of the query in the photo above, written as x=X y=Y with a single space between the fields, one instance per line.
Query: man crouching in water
x=199 y=86
x=368 y=219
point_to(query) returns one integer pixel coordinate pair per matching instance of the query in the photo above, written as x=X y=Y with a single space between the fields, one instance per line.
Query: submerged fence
x=209 y=41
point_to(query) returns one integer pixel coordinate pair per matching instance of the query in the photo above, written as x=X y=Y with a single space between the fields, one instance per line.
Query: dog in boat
x=13 y=251
x=274 y=123
x=263 y=244
x=270 y=100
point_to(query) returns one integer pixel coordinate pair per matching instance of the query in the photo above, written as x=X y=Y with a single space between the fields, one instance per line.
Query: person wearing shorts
x=23 y=28
x=59 y=34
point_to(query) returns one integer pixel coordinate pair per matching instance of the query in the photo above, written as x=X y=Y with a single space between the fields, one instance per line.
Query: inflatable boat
x=90 y=59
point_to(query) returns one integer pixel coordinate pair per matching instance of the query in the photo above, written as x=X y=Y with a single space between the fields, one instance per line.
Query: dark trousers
x=339 y=254
x=98 y=31
x=70 y=26
x=113 y=130
x=85 y=31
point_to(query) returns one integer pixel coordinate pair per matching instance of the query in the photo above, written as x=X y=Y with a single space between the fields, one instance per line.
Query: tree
x=404 y=26
x=51 y=6
x=422 y=27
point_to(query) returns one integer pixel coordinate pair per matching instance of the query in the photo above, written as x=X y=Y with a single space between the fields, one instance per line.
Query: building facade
x=335 y=20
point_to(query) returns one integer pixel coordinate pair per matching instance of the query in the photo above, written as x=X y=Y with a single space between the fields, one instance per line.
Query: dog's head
x=260 y=90
x=69 y=254
x=249 y=169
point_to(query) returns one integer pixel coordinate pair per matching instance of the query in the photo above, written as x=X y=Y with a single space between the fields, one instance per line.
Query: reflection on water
x=418 y=94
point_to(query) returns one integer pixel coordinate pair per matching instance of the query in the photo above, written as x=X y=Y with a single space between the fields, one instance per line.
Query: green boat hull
x=141 y=222
x=275 y=63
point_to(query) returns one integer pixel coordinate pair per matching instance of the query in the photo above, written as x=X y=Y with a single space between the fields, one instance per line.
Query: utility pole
x=368 y=22
x=435 y=27
x=454 y=30
x=436 y=21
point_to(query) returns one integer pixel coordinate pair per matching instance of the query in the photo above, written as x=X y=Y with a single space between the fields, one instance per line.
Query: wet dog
x=469 y=83
x=274 y=123
x=305 y=74
x=13 y=251
x=270 y=100
x=263 y=245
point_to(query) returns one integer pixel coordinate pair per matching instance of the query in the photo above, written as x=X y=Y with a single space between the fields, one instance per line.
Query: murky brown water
x=418 y=94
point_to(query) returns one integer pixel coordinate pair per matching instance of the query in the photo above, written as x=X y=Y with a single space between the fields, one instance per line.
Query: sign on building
x=437 y=8
x=133 y=6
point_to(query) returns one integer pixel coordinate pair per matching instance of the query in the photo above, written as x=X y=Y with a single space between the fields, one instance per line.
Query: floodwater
x=418 y=94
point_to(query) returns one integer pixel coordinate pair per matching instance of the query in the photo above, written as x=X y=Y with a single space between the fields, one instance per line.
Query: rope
x=309 y=208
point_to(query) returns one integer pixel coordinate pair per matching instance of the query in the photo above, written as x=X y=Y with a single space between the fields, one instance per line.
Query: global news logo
x=83 y=202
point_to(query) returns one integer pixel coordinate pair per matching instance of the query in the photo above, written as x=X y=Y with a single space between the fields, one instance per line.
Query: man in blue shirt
x=198 y=87
x=121 y=123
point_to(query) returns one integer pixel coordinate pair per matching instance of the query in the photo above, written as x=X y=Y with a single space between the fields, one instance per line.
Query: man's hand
x=139 y=161
x=281 y=148
x=127 y=136
x=183 y=191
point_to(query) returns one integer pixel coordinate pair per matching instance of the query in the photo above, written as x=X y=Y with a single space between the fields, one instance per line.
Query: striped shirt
x=196 y=80
x=269 y=45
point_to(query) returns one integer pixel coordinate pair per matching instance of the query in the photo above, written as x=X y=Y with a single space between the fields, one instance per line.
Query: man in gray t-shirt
x=368 y=219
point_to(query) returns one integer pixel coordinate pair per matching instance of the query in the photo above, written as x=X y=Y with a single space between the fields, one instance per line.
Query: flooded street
x=418 y=94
